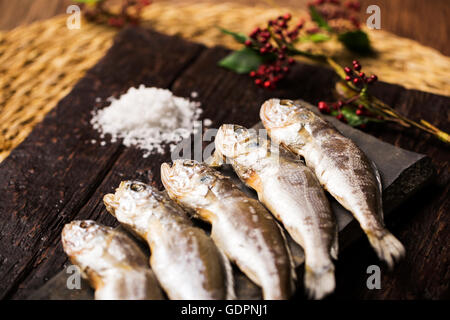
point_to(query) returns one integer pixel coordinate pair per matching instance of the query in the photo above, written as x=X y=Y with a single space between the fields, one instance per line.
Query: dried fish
x=185 y=260
x=292 y=193
x=341 y=167
x=114 y=264
x=241 y=226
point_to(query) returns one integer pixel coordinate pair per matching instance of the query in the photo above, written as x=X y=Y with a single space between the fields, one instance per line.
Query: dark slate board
x=56 y=175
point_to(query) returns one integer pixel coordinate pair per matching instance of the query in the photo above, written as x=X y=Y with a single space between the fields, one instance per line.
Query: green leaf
x=239 y=37
x=242 y=61
x=352 y=118
x=356 y=41
x=316 y=37
x=316 y=17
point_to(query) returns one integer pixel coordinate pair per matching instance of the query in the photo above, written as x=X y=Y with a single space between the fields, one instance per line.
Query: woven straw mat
x=40 y=63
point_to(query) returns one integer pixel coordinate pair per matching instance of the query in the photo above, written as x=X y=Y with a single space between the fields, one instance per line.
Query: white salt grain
x=147 y=118
x=207 y=122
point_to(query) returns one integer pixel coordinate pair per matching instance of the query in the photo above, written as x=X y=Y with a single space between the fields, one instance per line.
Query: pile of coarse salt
x=148 y=118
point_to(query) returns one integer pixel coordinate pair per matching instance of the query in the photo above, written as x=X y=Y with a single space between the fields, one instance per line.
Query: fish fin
x=380 y=188
x=231 y=294
x=334 y=251
x=215 y=160
x=387 y=247
x=291 y=257
x=319 y=283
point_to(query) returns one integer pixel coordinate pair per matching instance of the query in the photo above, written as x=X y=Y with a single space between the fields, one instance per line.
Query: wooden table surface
x=424 y=21
x=424 y=224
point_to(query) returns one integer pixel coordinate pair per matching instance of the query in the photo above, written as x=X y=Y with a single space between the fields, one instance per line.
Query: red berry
x=357 y=66
x=348 y=78
x=340 y=103
x=258 y=81
x=360 y=106
x=374 y=77
x=281 y=56
x=340 y=117
x=263 y=50
x=291 y=61
x=248 y=43
x=254 y=33
x=359 y=112
x=285 y=69
x=355 y=21
x=282 y=24
x=252 y=74
x=356 y=80
x=287 y=16
x=362 y=75
x=267 y=84
x=323 y=106
x=355 y=62
x=347 y=70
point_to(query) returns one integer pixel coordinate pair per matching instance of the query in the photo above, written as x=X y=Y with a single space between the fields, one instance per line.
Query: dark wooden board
x=58 y=163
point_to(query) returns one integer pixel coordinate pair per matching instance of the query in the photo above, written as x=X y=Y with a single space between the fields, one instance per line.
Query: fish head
x=234 y=140
x=285 y=121
x=186 y=181
x=131 y=198
x=275 y=113
x=82 y=235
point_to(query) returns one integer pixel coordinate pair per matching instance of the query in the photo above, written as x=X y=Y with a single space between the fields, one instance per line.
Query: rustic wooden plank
x=239 y=102
x=215 y=86
x=50 y=176
x=402 y=169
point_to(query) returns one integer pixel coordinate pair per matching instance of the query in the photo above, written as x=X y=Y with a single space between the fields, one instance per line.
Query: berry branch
x=267 y=56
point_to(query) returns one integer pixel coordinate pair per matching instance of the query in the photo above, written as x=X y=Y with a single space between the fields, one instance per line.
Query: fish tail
x=334 y=250
x=319 y=283
x=387 y=247
x=229 y=278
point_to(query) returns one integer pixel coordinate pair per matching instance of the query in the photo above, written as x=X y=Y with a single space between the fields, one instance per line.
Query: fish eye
x=84 y=224
x=137 y=187
x=286 y=102
x=188 y=163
